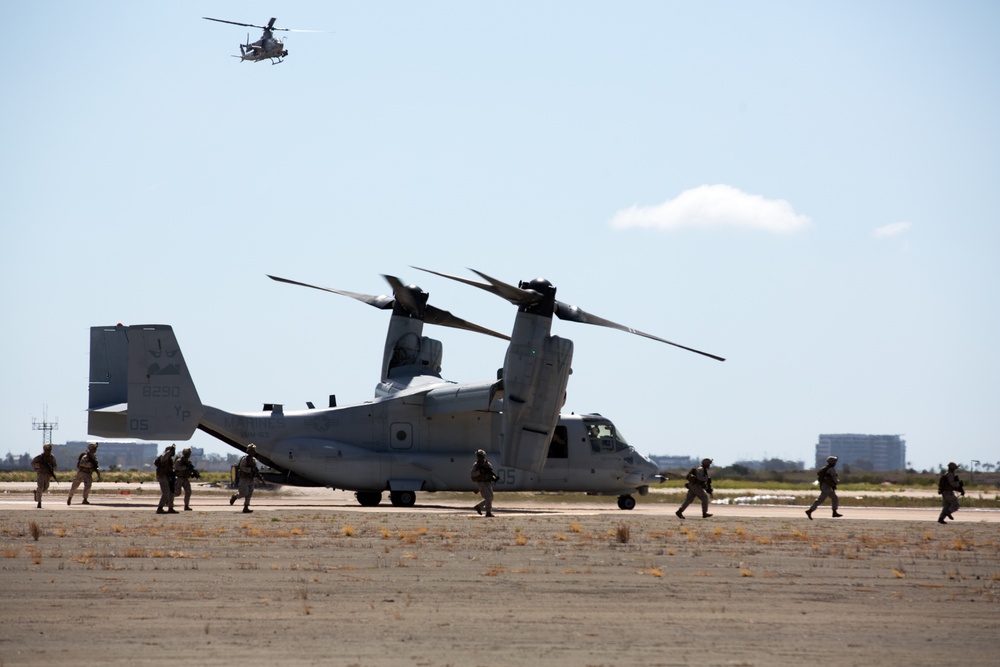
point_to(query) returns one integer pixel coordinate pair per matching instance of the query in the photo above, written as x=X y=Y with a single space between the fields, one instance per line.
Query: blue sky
x=807 y=189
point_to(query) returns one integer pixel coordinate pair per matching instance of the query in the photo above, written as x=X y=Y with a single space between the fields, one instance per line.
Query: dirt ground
x=312 y=578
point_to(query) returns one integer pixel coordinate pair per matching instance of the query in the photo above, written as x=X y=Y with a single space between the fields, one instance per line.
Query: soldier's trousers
x=42 y=481
x=166 y=493
x=245 y=490
x=183 y=484
x=826 y=491
x=949 y=504
x=486 y=491
x=695 y=491
x=87 y=478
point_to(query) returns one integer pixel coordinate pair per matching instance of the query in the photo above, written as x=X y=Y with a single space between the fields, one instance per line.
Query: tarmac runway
x=109 y=496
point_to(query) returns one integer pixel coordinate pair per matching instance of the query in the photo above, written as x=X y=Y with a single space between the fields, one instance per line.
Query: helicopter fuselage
x=266 y=48
x=394 y=444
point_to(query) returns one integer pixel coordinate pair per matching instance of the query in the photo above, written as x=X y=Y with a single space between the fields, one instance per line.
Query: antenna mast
x=45 y=426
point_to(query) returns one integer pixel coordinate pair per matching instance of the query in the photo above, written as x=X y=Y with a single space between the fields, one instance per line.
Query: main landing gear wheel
x=626 y=502
x=402 y=498
x=369 y=498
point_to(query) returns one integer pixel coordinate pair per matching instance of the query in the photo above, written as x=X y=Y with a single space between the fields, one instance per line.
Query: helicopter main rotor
x=531 y=296
x=268 y=28
x=409 y=298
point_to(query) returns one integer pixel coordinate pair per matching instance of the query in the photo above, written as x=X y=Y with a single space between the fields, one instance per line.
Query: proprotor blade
x=382 y=302
x=516 y=295
x=246 y=25
x=574 y=314
x=431 y=315
x=526 y=298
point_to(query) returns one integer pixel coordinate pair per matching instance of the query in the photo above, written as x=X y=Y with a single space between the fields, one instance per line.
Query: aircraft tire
x=402 y=498
x=626 y=502
x=368 y=498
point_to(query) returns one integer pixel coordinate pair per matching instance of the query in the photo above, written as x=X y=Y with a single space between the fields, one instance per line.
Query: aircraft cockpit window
x=602 y=438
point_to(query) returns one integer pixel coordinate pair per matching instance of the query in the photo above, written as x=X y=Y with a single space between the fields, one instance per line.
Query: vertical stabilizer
x=143 y=365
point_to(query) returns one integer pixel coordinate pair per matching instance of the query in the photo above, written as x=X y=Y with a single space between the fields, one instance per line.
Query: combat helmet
x=952 y=466
x=91 y=446
x=480 y=454
x=47 y=447
x=186 y=451
x=706 y=462
x=831 y=459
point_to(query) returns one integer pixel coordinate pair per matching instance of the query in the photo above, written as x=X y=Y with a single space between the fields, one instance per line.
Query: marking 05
x=506 y=476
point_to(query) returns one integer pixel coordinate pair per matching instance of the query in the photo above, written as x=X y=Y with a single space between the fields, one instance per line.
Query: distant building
x=124 y=455
x=863 y=452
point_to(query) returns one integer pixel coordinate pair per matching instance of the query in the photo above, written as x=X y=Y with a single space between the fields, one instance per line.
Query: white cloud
x=891 y=230
x=710 y=206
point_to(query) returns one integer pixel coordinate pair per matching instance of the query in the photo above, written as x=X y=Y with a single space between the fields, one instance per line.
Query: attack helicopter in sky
x=420 y=432
x=268 y=47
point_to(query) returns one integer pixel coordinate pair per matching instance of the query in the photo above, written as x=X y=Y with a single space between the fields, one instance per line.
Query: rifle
x=52 y=473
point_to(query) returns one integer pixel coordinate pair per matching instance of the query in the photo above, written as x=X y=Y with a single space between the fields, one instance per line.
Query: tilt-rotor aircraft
x=419 y=432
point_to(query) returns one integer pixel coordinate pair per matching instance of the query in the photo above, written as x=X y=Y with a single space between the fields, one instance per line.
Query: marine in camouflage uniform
x=184 y=470
x=483 y=475
x=247 y=474
x=86 y=466
x=44 y=466
x=165 y=478
x=948 y=484
x=828 y=480
x=699 y=485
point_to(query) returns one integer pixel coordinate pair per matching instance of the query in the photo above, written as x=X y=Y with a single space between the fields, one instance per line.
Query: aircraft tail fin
x=140 y=386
